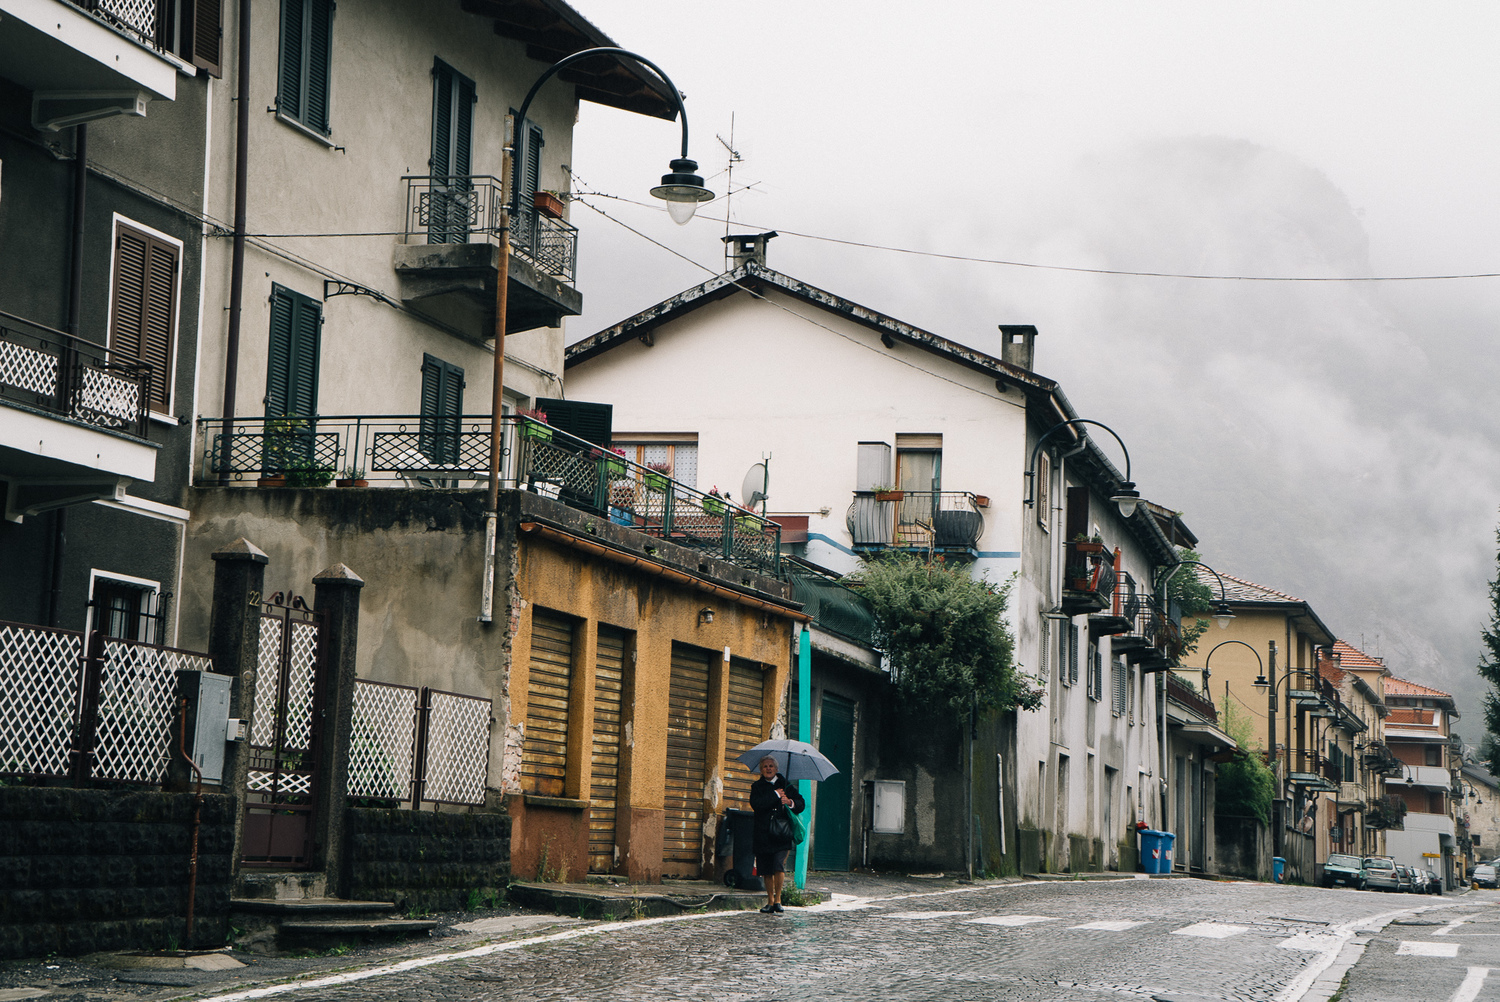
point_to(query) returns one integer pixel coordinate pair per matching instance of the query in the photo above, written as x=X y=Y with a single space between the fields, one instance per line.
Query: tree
x=944 y=633
x=1193 y=597
x=1245 y=786
x=1489 y=670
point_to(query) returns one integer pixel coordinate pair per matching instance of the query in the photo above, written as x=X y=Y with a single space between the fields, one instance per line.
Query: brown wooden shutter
x=207 y=38
x=143 y=314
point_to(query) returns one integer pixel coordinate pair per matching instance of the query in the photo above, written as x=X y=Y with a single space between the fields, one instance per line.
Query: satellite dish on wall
x=756 y=486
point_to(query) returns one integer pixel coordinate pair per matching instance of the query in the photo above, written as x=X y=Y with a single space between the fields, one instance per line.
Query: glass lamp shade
x=1127 y=498
x=1223 y=614
x=682 y=189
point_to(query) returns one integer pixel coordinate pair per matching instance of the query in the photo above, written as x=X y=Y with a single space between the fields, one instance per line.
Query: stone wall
x=89 y=870
x=1243 y=847
x=425 y=861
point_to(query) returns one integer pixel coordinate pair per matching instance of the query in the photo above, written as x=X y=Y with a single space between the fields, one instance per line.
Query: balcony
x=1181 y=692
x=1314 y=772
x=450 y=260
x=74 y=424
x=1089 y=579
x=86 y=60
x=1378 y=759
x=943 y=521
x=423 y=452
x=1137 y=624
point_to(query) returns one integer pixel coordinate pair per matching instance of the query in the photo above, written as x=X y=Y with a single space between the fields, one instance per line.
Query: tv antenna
x=757 y=484
x=734 y=158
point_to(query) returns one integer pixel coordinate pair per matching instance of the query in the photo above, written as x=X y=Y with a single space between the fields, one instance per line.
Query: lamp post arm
x=606 y=50
x=1036 y=450
x=1167 y=577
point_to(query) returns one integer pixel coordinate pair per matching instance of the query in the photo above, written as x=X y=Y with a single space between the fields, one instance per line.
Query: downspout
x=804 y=733
x=237 y=259
x=75 y=329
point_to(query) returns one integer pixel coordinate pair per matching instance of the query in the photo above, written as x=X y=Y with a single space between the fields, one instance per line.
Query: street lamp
x=1226 y=643
x=1221 y=612
x=1125 y=497
x=681 y=188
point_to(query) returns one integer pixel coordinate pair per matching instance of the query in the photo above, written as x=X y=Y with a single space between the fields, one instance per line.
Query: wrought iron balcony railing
x=466 y=209
x=51 y=371
x=453 y=451
x=915 y=520
x=1157 y=628
x=1178 y=689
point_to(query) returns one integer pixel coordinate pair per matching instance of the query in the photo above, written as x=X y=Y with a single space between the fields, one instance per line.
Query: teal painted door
x=831 y=817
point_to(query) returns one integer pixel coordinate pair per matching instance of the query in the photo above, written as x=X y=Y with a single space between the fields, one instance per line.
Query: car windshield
x=1379 y=864
x=1350 y=861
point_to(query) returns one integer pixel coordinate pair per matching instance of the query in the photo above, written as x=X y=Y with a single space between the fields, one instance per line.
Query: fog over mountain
x=1327 y=439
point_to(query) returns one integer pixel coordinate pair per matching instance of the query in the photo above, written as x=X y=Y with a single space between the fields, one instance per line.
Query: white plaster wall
x=1420 y=835
x=381 y=114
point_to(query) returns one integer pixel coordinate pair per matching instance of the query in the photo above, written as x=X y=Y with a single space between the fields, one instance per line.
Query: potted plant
x=283 y=446
x=981 y=500
x=657 y=476
x=548 y=203
x=713 y=503
x=305 y=472
x=535 y=424
x=1083 y=544
x=352 y=476
x=884 y=493
x=614 y=464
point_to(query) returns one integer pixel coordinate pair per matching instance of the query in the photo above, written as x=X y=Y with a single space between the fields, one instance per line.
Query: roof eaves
x=649 y=319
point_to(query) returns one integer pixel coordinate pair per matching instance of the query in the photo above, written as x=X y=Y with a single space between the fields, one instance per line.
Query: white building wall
x=1421 y=835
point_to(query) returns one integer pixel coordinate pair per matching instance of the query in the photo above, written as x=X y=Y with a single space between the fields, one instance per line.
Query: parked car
x=1343 y=870
x=1484 y=875
x=1407 y=880
x=1381 y=874
x=1434 y=882
x=1418 y=880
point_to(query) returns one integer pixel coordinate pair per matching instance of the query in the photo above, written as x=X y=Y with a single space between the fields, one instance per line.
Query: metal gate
x=284 y=731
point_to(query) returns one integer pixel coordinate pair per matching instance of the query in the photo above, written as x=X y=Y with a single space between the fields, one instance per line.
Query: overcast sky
x=1336 y=441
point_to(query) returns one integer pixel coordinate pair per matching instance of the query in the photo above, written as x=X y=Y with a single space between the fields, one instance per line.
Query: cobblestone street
x=1070 y=940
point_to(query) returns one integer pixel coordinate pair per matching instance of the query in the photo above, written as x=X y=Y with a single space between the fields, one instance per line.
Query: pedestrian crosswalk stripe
x=1409 y=948
x=1210 y=930
x=1107 y=926
x=1469 y=990
x=1013 y=919
x=1313 y=942
x=923 y=915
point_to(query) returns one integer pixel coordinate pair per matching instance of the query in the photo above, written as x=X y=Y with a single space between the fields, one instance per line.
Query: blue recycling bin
x=1156 y=850
x=1278 y=868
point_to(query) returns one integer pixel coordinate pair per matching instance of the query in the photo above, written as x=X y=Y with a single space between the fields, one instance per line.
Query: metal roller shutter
x=544 y=751
x=745 y=729
x=687 y=761
x=604 y=774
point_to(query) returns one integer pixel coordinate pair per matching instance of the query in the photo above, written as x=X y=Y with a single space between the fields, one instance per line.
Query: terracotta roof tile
x=1240 y=590
x=1350 y=656
x=1401 y=687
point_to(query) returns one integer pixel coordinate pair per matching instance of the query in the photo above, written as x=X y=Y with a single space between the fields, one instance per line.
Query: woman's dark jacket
x=765 y=804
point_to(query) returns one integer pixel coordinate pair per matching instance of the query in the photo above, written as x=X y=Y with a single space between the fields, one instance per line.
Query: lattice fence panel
x=28 y=369
x=40 y=674
x=301 y=674
x=138 y=16
x=137 y=702
x=267 y=682
x=382 y=740
x=412 y=451
x=107 y=399
x=456 y=765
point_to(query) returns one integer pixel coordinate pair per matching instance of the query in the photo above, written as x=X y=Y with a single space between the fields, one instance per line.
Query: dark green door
x=831 y=818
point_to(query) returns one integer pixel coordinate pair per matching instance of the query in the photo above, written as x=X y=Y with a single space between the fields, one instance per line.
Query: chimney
x=1018 y=346
x=747 y=248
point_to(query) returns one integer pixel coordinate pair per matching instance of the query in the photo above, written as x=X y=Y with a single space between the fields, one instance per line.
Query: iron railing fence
x=1161 y=628
x=55 y=372
x=87 y=708
x=430 y=451
x=1180 y=690
x=1087 y=569
x=834 y=607
x=915 y=520
x=463 y=209
x=411 y=745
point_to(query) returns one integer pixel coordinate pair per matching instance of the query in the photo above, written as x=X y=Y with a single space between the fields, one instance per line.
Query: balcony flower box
x=1086 y=546
x=272 y=480
x=713 y=505
x=890 y=495
x=548 y=204
x=351 y=482
x=657 y=476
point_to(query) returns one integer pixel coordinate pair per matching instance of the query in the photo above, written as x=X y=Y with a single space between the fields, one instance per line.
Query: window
x=143 y=306
x=442 y=404
x=1096 y=673
x=126 y=608
x=1072 y=655
x=292 y=371
x=193 y=29
x=305 y=71
x=1434 y=755
x=1044 y=646
x=919 y=472
x=1044 y=490
x=678 y=453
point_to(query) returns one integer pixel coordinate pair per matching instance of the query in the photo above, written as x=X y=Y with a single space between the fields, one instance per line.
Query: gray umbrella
x=796 y=759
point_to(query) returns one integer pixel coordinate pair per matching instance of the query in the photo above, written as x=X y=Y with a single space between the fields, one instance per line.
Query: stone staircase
x=277 y=912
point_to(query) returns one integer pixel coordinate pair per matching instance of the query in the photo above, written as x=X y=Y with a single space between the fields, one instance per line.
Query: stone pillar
x=234 y=643
x=336 y=596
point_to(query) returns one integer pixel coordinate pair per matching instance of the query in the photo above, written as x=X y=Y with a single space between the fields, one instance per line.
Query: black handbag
x=781 y=829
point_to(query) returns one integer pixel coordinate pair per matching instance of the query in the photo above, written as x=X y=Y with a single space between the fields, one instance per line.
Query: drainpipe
x=75 y=328
x=804 y=733
x=497 y=387
x=237 y=259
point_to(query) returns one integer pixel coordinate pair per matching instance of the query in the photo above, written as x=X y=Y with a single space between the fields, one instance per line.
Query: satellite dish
x=757 y=484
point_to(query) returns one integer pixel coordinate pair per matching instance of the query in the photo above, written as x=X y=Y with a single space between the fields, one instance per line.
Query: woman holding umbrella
x=770 y=797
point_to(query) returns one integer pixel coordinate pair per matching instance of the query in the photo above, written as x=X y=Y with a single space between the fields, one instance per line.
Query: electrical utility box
x=207 y=722
x=889 y=815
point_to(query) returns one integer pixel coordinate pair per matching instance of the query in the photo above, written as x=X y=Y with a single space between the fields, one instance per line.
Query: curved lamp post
x=1221 y=613
x=1271 y=684
x=1226 y=643
x=681 y=188
x=1126 y=497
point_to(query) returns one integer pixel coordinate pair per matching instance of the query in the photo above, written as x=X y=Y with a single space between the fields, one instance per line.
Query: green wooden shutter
x=319 y=63
x=531 y=176
x=442 y=120
x=292 y=370
x=589 y=421
x=289 y=92
x=442 y=403
x=463 y=125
